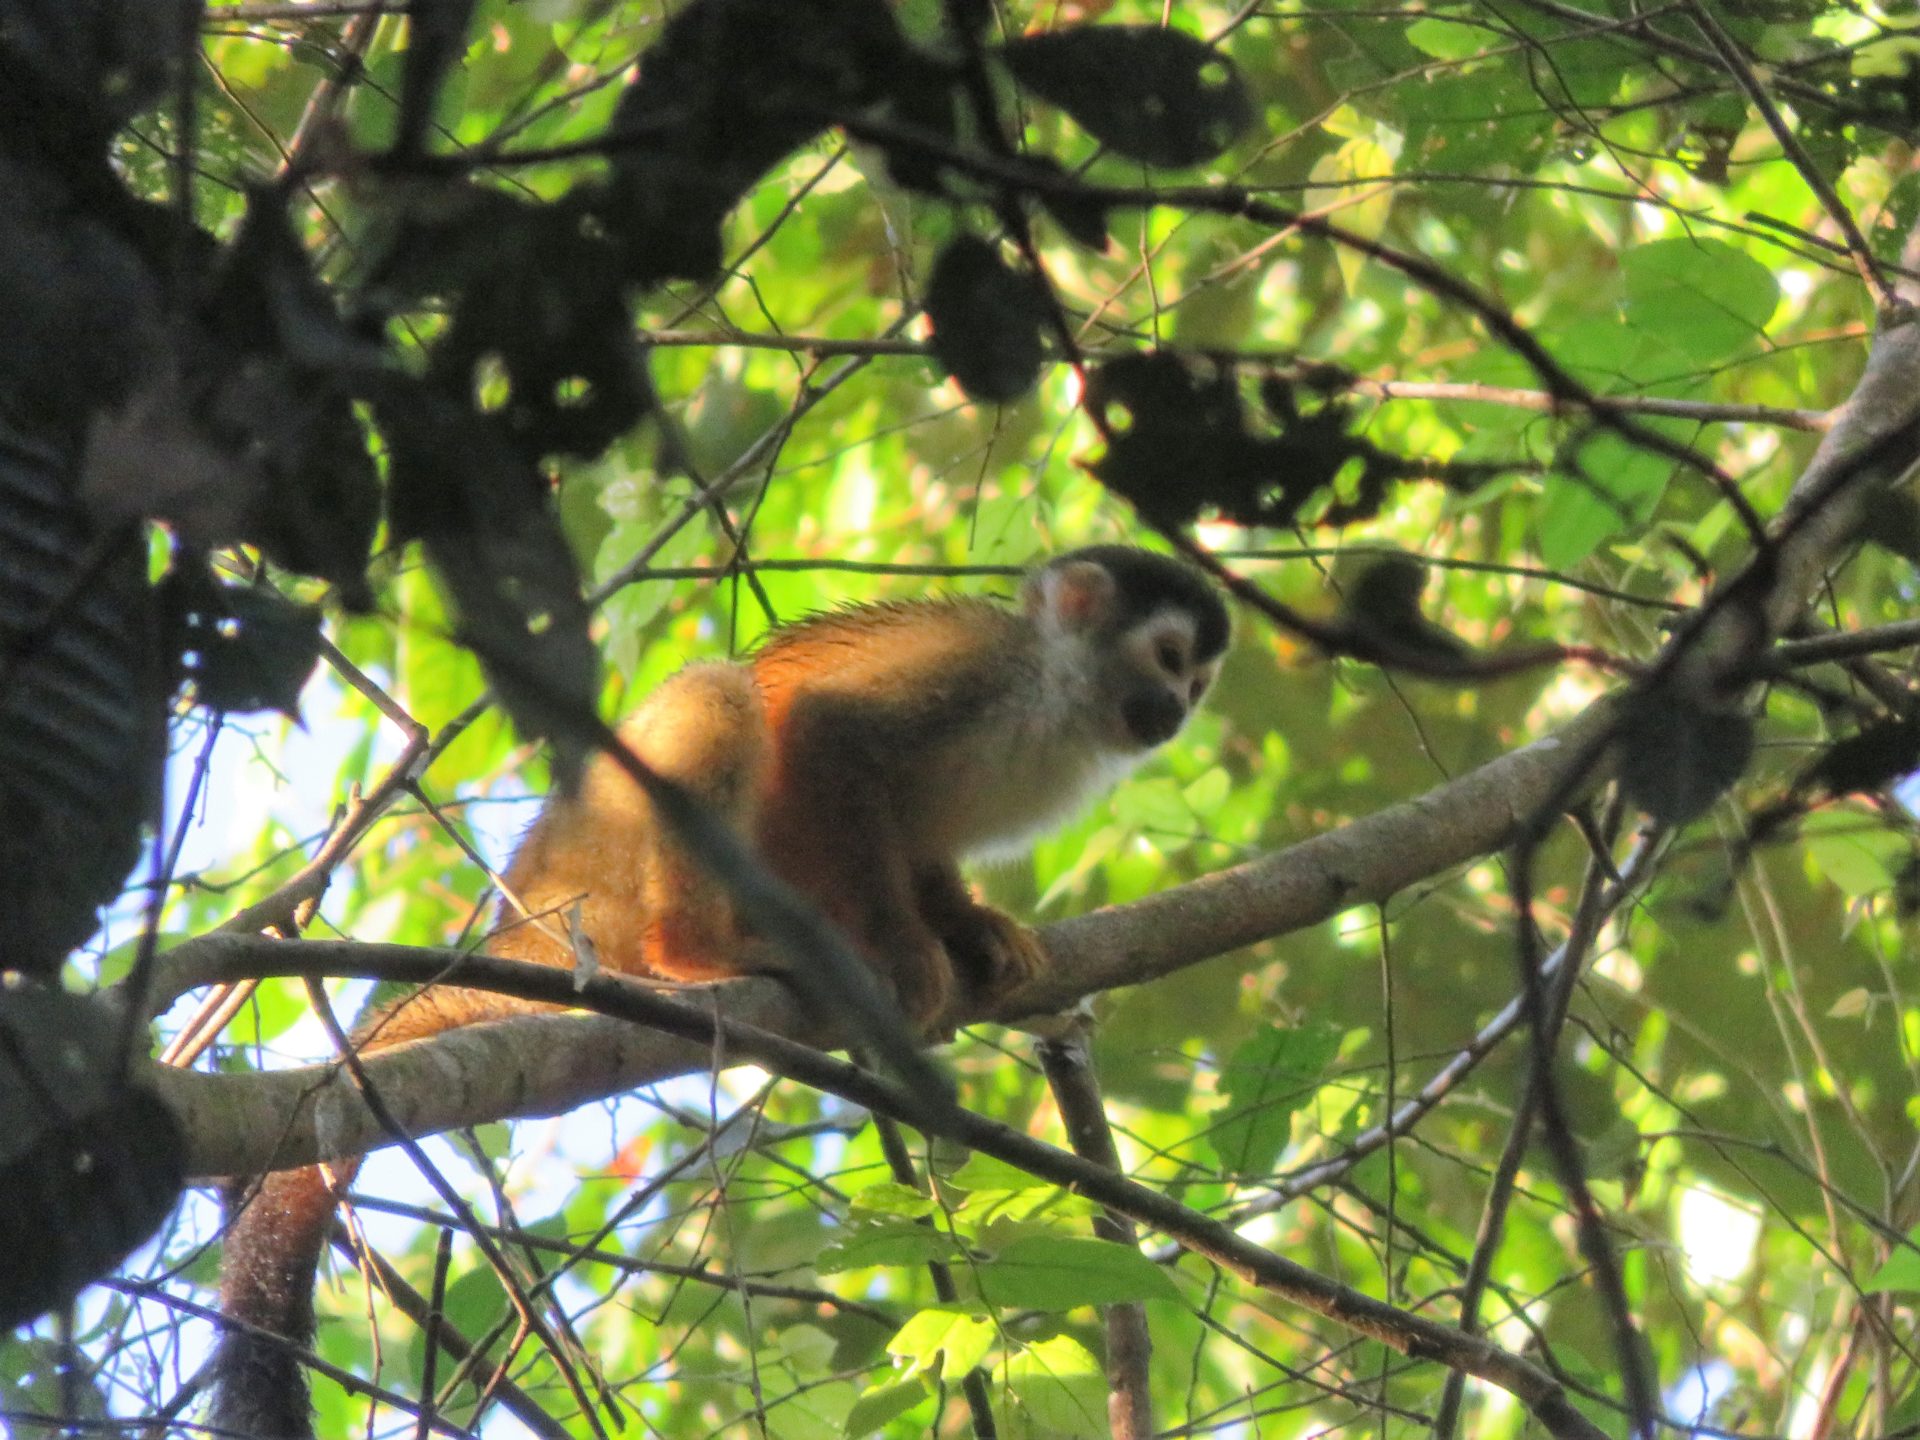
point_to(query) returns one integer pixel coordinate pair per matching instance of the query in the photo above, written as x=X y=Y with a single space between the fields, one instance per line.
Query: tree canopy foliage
x=1505 y=977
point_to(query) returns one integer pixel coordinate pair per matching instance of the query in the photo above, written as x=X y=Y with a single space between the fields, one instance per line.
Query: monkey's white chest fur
x=1026 y=767
x=1005 y=787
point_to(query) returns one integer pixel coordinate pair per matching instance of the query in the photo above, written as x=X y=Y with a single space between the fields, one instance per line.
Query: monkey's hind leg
x=993 y=953
x=705 y=728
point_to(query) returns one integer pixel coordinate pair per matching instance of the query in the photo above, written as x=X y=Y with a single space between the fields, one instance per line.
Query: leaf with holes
x=247 y=649
x=1154 y=95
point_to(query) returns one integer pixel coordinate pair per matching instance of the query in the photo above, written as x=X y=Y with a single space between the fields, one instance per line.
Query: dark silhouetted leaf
x=246 y=649
x=285 y=403
x=925 y=98
x=234 y=423
x=1676 y=756
x=85 y=316
x=89 y=1165
x=1164 y=409
x=317 y=503
x=149 y=460
x=265 y=297
x=1906 y=888
x=1161 y=411
x=75 y=71
x=551 y=313
x=987 y=320
x=727 y=91
x=1083 y=219
x=968 y=17
x=1155 y=95
x=540 y=322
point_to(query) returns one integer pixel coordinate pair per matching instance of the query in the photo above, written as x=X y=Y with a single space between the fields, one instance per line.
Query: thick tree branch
x=1402 y=1330
x=543 y=1064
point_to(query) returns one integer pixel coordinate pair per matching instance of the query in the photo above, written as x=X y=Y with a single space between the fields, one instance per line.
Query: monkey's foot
x=925 y=992
x=1002 y=955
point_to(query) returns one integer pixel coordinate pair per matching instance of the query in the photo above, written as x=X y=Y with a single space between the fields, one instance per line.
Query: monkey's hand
x=993 y=954
x=1001 y=954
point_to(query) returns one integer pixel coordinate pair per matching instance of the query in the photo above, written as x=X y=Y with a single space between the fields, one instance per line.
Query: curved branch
x=1402 y=1330
x=543 y=1064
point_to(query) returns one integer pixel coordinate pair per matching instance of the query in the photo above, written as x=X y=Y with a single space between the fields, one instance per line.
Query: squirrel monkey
x=862 y=753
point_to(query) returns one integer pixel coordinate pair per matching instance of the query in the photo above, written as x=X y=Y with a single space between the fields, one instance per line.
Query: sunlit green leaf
x=1059 y=1272
x=941 y=1340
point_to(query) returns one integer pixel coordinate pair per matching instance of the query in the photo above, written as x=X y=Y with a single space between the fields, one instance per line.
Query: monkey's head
x=1144 y=632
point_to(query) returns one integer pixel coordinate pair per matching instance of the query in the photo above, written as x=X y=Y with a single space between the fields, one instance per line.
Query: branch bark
x=1402 y=1330
x=544 y=1064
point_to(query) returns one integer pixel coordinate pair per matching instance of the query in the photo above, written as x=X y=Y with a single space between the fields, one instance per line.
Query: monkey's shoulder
x=891 y=651
x=884 y=626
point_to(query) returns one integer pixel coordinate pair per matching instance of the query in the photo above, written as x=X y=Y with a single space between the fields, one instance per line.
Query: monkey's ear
x=1075 y=594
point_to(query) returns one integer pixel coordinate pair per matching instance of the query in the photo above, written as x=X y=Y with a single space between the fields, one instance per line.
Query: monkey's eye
x=1169 y=657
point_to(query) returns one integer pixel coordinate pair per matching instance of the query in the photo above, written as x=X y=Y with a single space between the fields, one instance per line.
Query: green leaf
x=1151 y=805
x=1852 y=854
x=943 y=1340
x=1891 y=57
x=1901 y=1271
x=1470 y=119
x=1615 y=486
x=1702 y=296
x=898 y=1243
x=1055 y=1391
x=1209 y=790
x=1063 y=1272
x=1447 y=39
x=983 y=1172
x=1852 y=1005
x=1264 y=1082
x=1351 y=178
x=806 y=1347
x=881 y=1404
x=889 y=1198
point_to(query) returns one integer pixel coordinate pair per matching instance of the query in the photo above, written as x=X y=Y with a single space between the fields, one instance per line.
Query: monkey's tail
x=278 y=1225
x=276 y=1231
